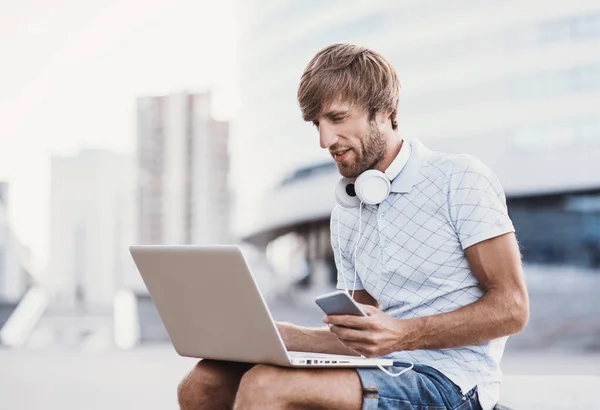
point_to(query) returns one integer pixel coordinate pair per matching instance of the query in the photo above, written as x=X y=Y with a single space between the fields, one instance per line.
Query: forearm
x=494 y=315
x=313 y=340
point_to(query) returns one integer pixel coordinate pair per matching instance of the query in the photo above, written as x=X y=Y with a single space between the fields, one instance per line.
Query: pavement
x=147 y=378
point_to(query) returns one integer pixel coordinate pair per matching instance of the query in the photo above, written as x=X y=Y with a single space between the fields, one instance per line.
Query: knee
x=261 y=378
x=192 y=390
x=261 y=386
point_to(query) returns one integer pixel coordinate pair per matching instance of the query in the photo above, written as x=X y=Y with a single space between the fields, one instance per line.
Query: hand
x=374 y=335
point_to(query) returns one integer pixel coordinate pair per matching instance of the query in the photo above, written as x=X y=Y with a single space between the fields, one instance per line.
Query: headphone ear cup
x=343 y=190
x=372 y=187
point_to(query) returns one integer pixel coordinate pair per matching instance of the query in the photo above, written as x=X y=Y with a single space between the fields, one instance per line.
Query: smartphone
x=339 y=303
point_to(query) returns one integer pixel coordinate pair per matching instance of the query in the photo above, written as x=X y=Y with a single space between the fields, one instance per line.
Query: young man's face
x=355 y=143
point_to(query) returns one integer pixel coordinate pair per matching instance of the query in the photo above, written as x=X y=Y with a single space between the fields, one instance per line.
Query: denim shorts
x=422 y=388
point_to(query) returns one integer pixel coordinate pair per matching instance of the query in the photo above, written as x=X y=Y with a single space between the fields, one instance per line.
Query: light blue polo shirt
x=411 y=259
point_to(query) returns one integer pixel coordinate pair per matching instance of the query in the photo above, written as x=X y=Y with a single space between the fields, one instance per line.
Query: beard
x=370 y=154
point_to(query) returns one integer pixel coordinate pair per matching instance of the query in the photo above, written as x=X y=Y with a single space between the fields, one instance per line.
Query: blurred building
x=91 y=226
x=182 y=194
x=515 y=83
x=183 y=165
x=14 y=263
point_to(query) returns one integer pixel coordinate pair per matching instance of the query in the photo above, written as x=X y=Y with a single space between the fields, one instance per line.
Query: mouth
x=340 y=156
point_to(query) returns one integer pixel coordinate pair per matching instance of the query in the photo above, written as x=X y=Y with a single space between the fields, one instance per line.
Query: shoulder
x=454 y=168
x=460 y=168
x=456 y=162
x=470 y=172
x=470 y=178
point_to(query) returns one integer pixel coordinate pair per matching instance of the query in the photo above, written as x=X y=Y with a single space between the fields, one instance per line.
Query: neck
x=394 y=144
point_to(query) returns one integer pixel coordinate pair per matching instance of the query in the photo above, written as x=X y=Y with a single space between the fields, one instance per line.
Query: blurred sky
x=71 y=71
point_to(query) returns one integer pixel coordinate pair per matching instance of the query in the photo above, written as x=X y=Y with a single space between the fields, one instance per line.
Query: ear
x=383 y=117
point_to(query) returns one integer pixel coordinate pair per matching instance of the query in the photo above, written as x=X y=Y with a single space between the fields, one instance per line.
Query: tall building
x=513 y=81
x=182 y=194
x=91 y=226
x=182 y=165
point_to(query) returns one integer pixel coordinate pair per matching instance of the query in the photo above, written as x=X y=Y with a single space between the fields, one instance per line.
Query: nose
x=327 y=136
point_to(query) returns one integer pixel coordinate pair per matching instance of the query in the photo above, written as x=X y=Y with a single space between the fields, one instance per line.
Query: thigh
x=224 y=368
x=212 y=379
x=422 y=388
x=221 y=373
x=211 y=384
x=264 y=386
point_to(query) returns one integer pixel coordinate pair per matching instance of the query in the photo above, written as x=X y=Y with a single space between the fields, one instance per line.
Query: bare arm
x=319 y=340
x=501 y=311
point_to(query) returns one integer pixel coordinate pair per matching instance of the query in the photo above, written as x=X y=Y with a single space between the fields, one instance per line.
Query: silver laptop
x=212 y=308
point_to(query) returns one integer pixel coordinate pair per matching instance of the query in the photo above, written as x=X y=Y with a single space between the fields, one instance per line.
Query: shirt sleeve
x=343 y=262
x=477 y=203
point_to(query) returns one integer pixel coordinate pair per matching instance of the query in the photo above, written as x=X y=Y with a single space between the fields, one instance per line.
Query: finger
x=355 y=322
x=350 y=335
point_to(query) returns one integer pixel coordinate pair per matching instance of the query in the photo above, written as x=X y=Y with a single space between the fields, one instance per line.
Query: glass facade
x=558 y=229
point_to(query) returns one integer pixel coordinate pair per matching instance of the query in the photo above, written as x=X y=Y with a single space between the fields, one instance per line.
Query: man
x=436 y=266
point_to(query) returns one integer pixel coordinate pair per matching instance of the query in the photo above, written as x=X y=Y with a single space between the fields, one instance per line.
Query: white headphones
x=371 y=187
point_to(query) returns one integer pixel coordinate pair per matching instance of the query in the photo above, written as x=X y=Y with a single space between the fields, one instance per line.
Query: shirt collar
x=407 y=177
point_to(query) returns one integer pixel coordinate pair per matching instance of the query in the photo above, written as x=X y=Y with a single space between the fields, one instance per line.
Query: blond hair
x=352 y=74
